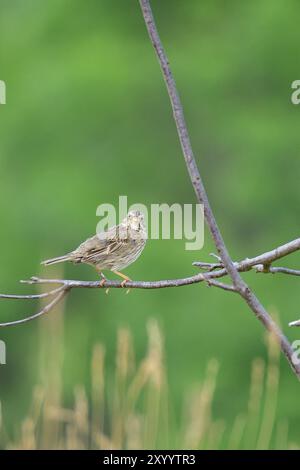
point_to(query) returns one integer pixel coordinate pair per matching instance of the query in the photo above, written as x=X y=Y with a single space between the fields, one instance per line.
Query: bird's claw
x=102 y=282
x=123 y=284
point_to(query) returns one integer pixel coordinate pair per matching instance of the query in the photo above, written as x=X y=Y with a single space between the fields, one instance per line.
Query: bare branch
x=207 y=266
x=213 y=271
x=44 y=310
x=261 y=263
x=294 y=323
x=257 y=308
x=30 y=296
x=260 y=268
x=273 y=255
x=221 y=285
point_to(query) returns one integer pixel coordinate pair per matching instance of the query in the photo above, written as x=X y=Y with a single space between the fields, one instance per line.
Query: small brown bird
x=113 y=250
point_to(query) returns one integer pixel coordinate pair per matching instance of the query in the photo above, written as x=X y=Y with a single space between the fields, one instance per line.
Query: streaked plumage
x=112 y=250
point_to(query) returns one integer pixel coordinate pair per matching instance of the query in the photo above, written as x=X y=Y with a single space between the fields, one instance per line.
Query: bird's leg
x=103 y=280
x=126 y=278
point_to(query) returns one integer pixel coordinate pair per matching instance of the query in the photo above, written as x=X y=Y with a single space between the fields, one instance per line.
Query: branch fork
x=213 y=271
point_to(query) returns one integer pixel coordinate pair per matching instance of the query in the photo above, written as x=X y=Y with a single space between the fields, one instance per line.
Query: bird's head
x=135 y=220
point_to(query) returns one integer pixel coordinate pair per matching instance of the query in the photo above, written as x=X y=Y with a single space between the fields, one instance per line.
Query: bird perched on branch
x=113 y=250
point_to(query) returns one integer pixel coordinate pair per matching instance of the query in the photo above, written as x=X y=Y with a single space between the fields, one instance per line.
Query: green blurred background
x=88 y=119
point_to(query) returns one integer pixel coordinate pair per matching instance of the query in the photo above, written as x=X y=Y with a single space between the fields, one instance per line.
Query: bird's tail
x=59 y=259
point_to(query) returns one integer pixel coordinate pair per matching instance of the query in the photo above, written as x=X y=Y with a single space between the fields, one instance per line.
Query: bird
x=113 y=249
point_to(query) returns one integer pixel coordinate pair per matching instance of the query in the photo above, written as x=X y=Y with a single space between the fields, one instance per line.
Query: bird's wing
x=110 y=247
x=98 y=246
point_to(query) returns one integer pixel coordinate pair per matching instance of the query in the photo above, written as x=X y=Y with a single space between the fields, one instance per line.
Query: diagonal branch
x=269 y=257
x=243 y=289
x=224 y=267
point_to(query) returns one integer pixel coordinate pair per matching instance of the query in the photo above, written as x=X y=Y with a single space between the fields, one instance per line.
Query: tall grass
x=135 y=411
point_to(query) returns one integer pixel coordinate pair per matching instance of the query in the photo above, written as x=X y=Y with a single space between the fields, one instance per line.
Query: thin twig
x=31 y=296
x=266 y=259
x=221 y=285
x=273 y=255
x=207 y=266
x=294 y=323
x=244 y=290
x=44 y=310
x=260 y=268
